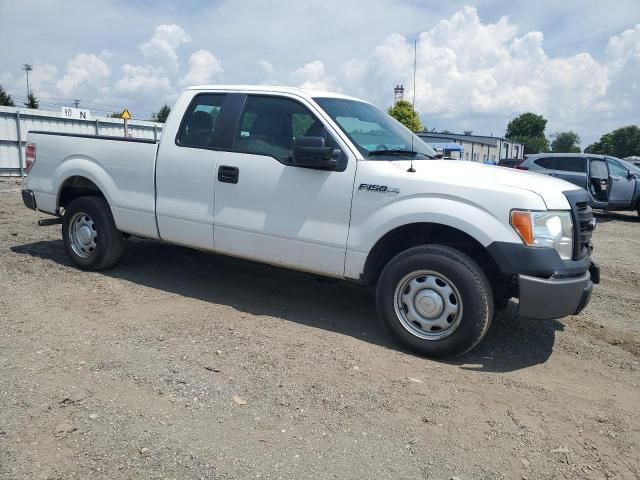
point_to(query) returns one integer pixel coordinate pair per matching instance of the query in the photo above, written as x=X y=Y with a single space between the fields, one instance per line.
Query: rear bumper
x=549 y=298
x=29 y=199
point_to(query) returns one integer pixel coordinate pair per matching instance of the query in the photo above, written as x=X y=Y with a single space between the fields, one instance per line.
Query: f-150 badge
x=378 y=188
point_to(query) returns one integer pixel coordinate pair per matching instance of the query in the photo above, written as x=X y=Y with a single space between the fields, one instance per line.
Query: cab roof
x=272 y=89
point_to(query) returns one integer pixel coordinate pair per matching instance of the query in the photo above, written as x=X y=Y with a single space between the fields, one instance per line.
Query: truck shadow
x=512 y=343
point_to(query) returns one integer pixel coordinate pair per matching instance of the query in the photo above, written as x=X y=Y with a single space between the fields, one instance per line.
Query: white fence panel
x=16 y=122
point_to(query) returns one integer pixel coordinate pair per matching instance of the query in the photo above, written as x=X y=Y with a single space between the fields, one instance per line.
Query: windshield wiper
x=392 y=152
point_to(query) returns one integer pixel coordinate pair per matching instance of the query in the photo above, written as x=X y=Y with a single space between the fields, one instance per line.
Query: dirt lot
x=179 y=364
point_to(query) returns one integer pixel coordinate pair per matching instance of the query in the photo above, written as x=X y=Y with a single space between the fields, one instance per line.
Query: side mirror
x=311 y=152
x=439 y=155
x=632 y=176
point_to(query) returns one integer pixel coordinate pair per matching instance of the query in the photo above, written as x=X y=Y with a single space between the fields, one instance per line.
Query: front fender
x=478 y=223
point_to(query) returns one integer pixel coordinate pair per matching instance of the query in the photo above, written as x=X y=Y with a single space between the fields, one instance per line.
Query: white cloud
x=143 y=80
x=41 y=79
x=312 y=76
x=625 y=45
x=161 y=47
x=266 y=67
x=82 y=69
x=204 y=68
x=468 y=69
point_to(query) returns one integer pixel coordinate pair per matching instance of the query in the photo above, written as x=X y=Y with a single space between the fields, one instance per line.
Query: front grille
x=582 y=221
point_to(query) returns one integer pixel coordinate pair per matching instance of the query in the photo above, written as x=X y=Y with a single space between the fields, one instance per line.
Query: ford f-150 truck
x=326 y=183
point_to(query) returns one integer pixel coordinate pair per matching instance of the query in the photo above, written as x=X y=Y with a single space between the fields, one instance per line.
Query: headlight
x=545 y=229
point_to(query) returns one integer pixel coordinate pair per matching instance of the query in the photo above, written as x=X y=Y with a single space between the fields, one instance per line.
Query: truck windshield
x=374 y=133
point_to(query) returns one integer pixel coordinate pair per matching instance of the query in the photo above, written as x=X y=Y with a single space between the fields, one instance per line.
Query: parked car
x=613 y=184
x=330 y=184
x=635 y=160
x=509 y=162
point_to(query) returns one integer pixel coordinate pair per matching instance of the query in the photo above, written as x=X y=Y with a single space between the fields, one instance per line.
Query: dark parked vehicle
x=509 y=162
x=613 y=184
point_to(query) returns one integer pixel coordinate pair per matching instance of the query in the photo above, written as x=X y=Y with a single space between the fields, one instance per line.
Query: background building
x=476 y=148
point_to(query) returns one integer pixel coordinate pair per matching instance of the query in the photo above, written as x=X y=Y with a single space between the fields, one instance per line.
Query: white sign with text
x=76 y=113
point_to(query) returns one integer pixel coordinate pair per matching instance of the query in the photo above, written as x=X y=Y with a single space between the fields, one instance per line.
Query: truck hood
x=549 y=188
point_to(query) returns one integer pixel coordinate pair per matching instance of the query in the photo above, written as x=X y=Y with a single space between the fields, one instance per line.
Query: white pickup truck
x=325 y=183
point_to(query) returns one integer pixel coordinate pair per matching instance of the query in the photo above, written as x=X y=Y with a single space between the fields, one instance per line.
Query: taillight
x=30 y=155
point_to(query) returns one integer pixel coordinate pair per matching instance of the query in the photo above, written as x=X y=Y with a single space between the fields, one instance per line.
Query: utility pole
x=27 y=68
x=76 y=102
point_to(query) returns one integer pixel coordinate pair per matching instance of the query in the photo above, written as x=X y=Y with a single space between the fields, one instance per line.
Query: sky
x=479 y=64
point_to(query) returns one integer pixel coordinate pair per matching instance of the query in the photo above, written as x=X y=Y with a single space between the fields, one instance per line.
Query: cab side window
x=269 y=126
x=199 y=123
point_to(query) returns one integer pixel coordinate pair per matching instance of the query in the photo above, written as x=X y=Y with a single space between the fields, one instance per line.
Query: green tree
x=603 y=147
x=565 y=142
x=32 y=101
x=5 y=98
x=115 y=115
x=404 y=112
x=622 y=142
x=161 y=115
x=528 y=128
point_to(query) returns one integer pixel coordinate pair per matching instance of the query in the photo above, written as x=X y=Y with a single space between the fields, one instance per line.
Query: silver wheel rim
x=83 y=236
x=428 y=305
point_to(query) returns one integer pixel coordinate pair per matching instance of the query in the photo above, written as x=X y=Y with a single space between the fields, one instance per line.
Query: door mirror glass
x=311 y=152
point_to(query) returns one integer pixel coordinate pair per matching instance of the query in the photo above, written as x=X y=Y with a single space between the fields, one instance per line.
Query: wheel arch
x=74 y=187
x=411 y=235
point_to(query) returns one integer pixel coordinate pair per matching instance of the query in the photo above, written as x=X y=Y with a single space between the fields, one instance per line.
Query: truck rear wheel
x=90 y=235
x=435 y=300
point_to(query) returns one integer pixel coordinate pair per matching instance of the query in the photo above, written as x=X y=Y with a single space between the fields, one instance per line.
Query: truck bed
x=123 y=168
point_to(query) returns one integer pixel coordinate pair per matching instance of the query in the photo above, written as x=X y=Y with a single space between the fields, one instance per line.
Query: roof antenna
x=413 y=104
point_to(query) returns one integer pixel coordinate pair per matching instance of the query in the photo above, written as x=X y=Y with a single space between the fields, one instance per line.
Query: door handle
x=228 y=174
x=615 y=179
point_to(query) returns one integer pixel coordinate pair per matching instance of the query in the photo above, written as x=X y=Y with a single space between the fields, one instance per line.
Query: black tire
x=471 y=284
x=109 y=242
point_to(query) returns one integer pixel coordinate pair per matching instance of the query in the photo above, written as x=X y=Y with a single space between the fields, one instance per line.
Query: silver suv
x=613 y=184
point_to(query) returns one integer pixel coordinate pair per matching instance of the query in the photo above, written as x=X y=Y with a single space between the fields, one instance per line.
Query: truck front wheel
x=90 y=235
x=435 y=300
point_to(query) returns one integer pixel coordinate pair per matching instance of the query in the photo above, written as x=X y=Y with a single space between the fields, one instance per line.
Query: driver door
x=622 y=185
x=270 y=211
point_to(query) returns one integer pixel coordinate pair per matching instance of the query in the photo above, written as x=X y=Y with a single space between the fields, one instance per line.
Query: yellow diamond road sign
x=125 y=114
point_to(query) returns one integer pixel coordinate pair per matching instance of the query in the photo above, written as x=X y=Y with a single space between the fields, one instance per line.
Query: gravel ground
x=180 y=364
